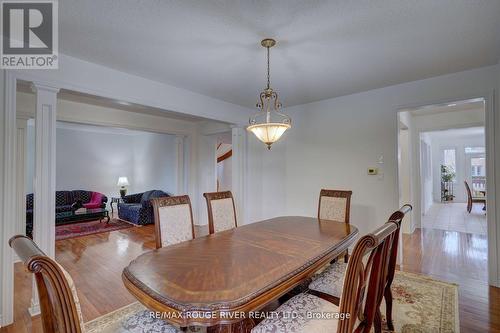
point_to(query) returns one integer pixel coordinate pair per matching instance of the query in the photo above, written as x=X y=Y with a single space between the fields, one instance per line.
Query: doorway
x=441 y=148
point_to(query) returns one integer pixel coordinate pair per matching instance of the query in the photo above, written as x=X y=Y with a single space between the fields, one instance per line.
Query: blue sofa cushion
x=64 y=208
x=137 y=208
x=64 y=198
x=82 y=195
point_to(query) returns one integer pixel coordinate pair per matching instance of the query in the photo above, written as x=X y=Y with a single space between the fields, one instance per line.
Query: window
x=450 y=163
x=474 y=150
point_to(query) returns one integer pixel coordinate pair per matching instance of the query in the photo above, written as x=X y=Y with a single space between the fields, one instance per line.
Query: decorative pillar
x=21 y=146
x=179 y=167
x=44 y=184
x=238 y=168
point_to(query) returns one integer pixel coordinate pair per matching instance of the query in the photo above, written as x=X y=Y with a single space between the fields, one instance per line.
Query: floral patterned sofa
x=64 y=200
x=137 y=208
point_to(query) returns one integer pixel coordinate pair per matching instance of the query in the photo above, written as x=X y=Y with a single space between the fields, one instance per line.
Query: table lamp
x=123 y=182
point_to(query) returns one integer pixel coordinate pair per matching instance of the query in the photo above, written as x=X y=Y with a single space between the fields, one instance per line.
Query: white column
x=8 y=208
x=45 y=175
x=21 y=143
x=238 y=168
x=179 y=168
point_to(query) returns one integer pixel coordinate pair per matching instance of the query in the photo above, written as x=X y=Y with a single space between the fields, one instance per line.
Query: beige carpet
x=424 y=305
x=421 y=305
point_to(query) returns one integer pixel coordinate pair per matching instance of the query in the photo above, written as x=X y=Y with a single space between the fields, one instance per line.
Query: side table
x=116 y=200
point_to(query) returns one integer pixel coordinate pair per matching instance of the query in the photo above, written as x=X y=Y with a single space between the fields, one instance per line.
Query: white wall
x=225 y=174
x=92 y=158
x=426 y=171
x=333 y=142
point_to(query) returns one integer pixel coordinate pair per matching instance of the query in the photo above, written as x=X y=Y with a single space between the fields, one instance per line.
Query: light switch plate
x=372 y=171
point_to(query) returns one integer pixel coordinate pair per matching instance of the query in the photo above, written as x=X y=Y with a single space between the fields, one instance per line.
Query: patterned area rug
x=421 y=305
x=88 y=228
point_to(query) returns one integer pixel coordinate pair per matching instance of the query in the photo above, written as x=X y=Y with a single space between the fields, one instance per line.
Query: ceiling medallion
x=268 y=124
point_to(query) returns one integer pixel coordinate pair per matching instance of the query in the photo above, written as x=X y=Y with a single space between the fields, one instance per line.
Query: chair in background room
x=335 y=205
x=173 y=218
x=361 y=294
x=221 y=211
x=472 y=200
x=59 y=304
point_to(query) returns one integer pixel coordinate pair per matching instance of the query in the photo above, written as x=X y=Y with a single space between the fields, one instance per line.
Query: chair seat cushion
x=299 y=315
x=134 y=318
x=331 y=280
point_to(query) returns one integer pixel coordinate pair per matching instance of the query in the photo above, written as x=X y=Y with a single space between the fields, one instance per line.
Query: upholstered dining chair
x=472 y=200
x=335 y=205
x=329 y=283
x=361 y=294
x=59 y=304
x=221 y=211
x=173 y=218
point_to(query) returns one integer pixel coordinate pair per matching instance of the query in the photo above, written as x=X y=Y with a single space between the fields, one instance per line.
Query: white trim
x=44 y=183
x=9 y=202
x=238 y=186
x=492 y=141
x=21 y=124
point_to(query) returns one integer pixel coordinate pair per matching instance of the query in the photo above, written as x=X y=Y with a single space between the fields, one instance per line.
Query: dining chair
x=362 y=293
x=59 y=304
x=173 y=219
x=471 y=200
x=329 y=283
x=335 y=205
x=221 y=211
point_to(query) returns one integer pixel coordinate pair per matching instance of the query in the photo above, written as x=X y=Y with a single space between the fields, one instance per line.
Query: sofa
x=137 y=208
x=64 y=200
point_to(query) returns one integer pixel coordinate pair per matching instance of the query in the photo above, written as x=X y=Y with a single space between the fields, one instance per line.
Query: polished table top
x=241 y=269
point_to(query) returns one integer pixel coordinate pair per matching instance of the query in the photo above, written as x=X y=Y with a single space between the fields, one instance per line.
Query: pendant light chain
x=268 y=79
x=268 y=124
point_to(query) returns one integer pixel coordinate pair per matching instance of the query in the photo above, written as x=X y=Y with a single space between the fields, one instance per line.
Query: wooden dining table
x=219 y=280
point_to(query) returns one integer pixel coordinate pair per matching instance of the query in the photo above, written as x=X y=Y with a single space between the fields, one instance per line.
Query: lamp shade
x=269 y=133
x=123 y=181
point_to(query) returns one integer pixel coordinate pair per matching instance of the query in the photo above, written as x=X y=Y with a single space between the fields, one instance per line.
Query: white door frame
x=492 y=140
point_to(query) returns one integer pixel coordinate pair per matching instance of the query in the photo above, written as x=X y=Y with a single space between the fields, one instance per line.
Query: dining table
x=222 y=280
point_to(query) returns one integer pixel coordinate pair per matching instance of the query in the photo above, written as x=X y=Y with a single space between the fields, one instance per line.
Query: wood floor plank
x=96 y=263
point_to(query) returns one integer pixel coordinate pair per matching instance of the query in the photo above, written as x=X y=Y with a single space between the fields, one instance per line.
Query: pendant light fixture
x=268 y=124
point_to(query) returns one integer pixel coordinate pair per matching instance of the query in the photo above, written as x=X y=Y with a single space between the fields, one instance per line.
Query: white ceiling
x=457 y=133
x=325 y=48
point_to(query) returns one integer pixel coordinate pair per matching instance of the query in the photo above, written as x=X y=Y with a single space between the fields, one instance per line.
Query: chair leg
x=388 y=308
x=377 y=322
x=346 y=256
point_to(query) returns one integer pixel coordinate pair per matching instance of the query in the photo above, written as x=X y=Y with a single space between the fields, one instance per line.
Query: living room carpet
x=88 y=228
x=420 y=305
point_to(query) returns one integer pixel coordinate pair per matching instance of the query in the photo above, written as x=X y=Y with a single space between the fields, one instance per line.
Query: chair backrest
x=396 y=217
x=469 y=193
x=364 y=283
x=334 y=205
x=60 y=308
x=221 y=211
x=173 y=218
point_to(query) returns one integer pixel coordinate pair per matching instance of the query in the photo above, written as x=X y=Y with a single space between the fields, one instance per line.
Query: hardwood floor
x=96 y=262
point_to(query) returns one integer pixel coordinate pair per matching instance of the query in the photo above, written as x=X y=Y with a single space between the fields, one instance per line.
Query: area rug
x=88 y=228
x=423 y=305
x=420 y=305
